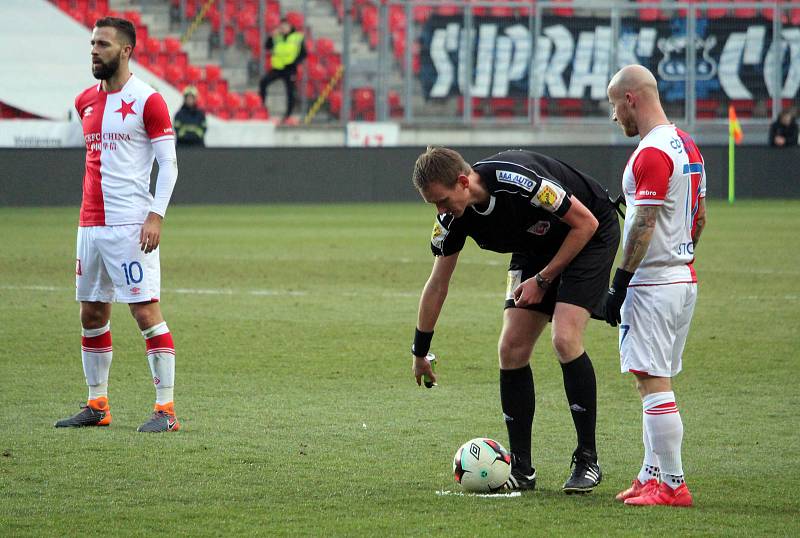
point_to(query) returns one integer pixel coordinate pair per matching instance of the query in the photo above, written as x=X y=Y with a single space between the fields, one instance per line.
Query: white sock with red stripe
x=96 y=356
x=665 y=432
x=161 y=356
x=650 y=467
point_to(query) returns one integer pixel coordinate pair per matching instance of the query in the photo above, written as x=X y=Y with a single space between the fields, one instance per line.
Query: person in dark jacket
x=783 y=131
x=190 y=121
x=287 y=49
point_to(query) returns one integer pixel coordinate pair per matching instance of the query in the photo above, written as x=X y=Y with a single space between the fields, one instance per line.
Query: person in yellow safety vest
x=190 y=121
x=287 y=50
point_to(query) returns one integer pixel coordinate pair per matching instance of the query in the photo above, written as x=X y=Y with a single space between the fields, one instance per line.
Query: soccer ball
x=481 y=465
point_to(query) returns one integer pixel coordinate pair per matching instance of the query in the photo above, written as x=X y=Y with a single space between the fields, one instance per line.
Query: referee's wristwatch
x=542 y=282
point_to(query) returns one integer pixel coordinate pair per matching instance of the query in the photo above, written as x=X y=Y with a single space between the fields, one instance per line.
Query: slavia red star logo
x=126 y=108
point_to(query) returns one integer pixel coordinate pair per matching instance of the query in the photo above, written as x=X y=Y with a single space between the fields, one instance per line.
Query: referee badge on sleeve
x=438 y=235
x=549 y=196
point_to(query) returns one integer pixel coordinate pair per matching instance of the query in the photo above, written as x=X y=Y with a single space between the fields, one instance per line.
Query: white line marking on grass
x=256 y=293
x=445 y=493
x=298 y=293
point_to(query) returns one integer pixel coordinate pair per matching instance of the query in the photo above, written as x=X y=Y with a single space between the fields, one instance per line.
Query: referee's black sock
x=581 y=388
x=519 y=402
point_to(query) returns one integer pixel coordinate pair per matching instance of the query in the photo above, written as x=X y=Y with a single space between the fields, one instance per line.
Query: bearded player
x=654 y=290
x=125 y=125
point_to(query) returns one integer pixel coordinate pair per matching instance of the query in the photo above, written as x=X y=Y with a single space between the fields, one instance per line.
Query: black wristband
x=422 y=343
x=621 y=279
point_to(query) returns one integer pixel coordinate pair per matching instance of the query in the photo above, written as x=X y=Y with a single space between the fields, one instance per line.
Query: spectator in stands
x=783 y=131
x=190 y=121
x=288 y=50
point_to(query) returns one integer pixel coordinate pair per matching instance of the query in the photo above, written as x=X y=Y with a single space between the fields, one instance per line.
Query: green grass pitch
x=300 y=416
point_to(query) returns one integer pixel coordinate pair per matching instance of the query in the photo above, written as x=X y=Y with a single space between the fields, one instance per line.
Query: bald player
x=653 y=293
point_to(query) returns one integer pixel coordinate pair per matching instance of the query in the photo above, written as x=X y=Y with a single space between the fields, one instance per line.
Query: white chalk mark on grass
x=509 y=495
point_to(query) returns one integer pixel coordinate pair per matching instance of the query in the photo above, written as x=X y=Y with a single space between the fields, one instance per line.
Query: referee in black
x=562 y=230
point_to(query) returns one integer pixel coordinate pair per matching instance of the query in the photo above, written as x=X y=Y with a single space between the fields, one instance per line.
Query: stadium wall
x=52 y=177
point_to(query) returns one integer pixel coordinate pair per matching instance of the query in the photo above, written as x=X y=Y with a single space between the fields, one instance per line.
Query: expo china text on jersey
x=106 y=141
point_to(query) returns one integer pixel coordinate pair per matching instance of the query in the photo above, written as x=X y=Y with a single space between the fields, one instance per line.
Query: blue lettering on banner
x=513 y=178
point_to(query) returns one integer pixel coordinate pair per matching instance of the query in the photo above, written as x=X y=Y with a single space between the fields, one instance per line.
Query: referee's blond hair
x=439 y=165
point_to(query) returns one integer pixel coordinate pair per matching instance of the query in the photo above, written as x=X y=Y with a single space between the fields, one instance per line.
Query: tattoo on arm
x=700 y=223
x=639 y=236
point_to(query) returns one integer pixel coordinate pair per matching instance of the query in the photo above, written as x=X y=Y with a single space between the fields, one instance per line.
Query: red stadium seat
x=296 y=19
x=229 y=36
x=648 y=14
x=421 y=13
x=193 y=74
x=335 y=102
x=142 y=35
x=213 y=101
x=564 y=11
x=369 y=18
x=364 y=103
x=325 y=47
x=397 y=17
x=252 y=100
x=744 y=12
x=241 y=114
x=173 y=73
x=157 y=70
x=153 y=46
x=318 y=73
x=501 y=11
x=246 y=19
x=172 y=45
x=133 y=16
x=449 y=10
x=271 y=21
x=260 y=114
x=395 y=104
x=233 y=101
x=717 y=12
x=213 y=72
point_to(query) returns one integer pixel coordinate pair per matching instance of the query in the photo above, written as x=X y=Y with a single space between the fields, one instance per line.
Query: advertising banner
x=735 y=58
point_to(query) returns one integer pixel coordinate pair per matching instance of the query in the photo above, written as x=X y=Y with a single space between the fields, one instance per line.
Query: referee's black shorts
x=585 y=280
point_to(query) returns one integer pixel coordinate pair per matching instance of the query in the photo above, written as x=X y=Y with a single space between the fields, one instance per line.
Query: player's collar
x=489 y=209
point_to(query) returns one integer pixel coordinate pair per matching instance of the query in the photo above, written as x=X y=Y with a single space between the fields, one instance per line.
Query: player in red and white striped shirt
x=126 y=125
x=654 y=291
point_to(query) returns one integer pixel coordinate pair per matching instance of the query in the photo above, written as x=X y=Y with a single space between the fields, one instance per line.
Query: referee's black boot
x=522 y=477
x=586 y=473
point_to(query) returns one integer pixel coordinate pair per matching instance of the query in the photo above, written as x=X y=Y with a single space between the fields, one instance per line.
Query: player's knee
x=93 y=317
x=567 y=346
x=513 y=353
x=146 y=316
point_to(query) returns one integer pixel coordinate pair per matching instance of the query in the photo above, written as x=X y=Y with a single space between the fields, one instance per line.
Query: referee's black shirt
x=528 y=194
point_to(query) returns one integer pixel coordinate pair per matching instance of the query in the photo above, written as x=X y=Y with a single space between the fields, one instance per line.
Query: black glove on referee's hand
x=616 y=296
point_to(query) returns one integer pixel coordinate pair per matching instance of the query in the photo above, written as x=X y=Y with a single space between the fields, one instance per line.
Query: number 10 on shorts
x=133 y=272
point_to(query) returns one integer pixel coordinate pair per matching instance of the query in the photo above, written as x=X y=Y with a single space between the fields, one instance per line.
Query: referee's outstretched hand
x=616 y=296
x=422 y=367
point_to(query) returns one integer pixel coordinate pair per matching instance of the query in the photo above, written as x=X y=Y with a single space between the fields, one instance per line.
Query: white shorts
x=655 y=324
x=112 y=267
